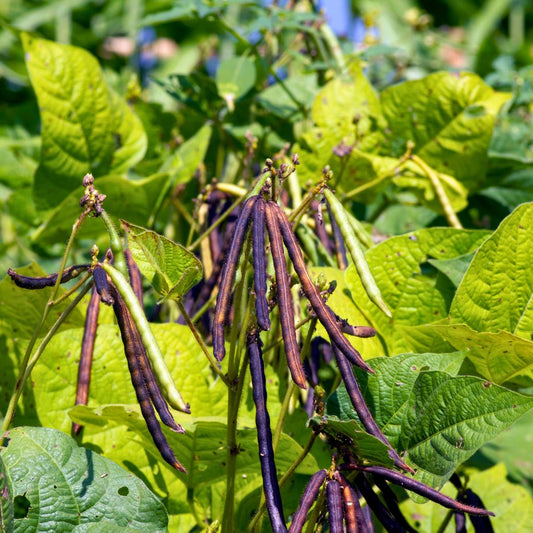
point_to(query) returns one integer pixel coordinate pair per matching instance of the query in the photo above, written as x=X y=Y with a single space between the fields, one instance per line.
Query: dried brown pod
x=86 y=354
x=132 y=346
x=260 y=275
x=286 y=311
x=223 y=302
x=323 y=312
x=28 y=282
x=101 y=284
x=264 y=435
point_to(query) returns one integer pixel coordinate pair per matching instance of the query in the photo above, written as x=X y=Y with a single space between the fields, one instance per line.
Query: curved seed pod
x=460 y=522
x=86 y=354
x=102 y=285
x=156 y=396
x=323 y=312
x=364 y=516
x=28 y=282
x=358 y=256
x=392 y=503
x=381 y=512
x=358 y=331
x=260 y=286
x=132 y=342
x=228 y=274
x=481 y=524
x=153 y=351
x=359 y=404
x=333 y=493
x=420 y=488
x=309 y=496
x=286 y=311
x=350 y=503
x=135 y=275
x=264 y=435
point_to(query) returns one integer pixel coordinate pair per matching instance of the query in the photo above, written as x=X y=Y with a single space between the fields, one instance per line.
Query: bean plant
x=269 y=298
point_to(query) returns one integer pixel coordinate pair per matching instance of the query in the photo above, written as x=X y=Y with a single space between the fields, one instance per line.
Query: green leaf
x=435 y=419
x=454 y=269
x=394 y=380
x=170 y=267
x=235 y=77
x=125 y=198
x=364 y=446
x=67 y=485
x=7 y=513
x=501 y=357
x=413 y=290
x=496 y=291
x=449 y=119
x=85 y=128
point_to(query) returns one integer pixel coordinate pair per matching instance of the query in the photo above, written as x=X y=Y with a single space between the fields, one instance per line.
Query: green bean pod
x=166 y=382
x=354 y=247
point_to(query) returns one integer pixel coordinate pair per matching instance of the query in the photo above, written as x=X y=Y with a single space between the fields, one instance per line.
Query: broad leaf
x=436 y=419
x=85 y=128
x=501 y=357
x=170 y=267
x=496 y=291
x=413 y=290
x=449 y=119
x=67 y=485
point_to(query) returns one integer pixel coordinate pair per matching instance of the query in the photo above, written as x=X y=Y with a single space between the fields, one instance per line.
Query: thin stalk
x=28 y=365
x=71 y=291
x=444 y=201
x=119 y=261
x=280 y=338
x=215 y=365
x=29 y=349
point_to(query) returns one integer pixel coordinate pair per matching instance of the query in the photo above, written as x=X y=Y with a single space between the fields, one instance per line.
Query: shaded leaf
x=67 y=485
x=7 y=514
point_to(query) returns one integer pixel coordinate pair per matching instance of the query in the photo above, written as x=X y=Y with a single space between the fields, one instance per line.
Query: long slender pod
x=86 y=354
x=359 y=404
x=135 y=275
x=358 y=256
x=335 y=511
x=420 y=488
x=260 y=286
x=460 y=522
x=350 y=503
x=382 y=513
x=323 y=312
x=28 y=282
x=309 y=497
x=132 y=344
x=153 y=351
x=364 y=517
x=264 y=435
x=286 y=310
x=227 y=276
x=392 y=503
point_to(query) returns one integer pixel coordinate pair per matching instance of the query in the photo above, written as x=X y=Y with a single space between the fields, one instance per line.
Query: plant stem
x=433 y=177
x=119 y=261
x=214 y=363
x=28 y=364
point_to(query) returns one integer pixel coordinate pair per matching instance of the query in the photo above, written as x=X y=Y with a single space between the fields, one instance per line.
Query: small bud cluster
x=92 y=200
